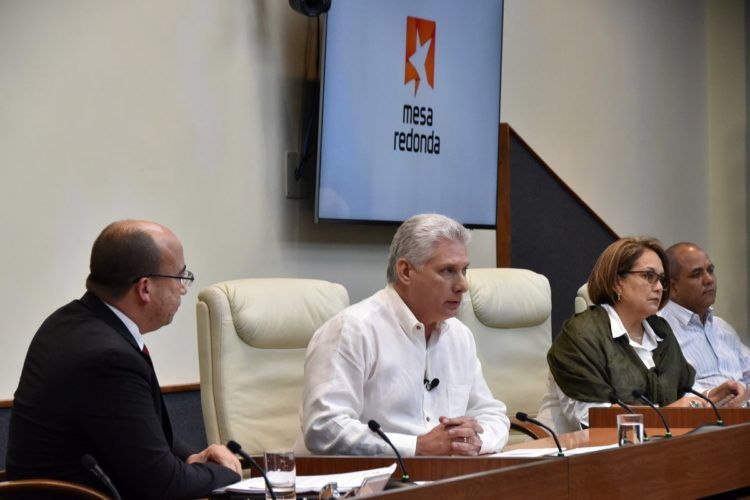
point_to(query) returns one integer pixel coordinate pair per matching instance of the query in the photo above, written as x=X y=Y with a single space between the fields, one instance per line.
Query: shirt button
x=419 y=327
x=428 y=419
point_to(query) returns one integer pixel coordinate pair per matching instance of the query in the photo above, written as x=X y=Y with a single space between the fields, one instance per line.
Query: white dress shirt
x=714 y=348
x=370 y=362
x=129 y=324
x=565 y=414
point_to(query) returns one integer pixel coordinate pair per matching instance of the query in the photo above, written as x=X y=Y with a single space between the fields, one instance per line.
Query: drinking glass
x=281 y=471
x=629 y=429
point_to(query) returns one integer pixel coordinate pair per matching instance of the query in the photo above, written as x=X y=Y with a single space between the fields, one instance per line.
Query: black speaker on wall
x=310 y=8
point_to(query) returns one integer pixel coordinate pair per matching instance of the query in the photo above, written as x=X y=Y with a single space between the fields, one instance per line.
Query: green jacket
x=589 y=365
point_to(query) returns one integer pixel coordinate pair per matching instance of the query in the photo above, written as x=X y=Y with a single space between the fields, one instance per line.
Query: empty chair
x=582 y=300
x=509 y=312
x=252 y=337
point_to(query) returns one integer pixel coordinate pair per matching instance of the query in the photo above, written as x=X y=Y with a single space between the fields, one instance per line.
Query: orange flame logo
x=420 y=52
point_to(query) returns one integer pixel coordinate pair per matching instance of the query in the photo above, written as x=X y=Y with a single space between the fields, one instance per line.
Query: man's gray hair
x=417 y=238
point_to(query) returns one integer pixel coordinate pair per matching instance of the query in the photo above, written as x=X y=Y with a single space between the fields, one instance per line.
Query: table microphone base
x=394 y=484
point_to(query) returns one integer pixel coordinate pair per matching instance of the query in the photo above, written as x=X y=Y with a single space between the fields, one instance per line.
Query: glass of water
x=629 y=429
x=282 y=472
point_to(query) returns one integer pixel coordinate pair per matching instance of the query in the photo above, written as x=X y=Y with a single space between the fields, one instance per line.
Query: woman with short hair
x=620 y=345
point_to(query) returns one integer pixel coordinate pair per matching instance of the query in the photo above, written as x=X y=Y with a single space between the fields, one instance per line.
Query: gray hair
x=416 y=239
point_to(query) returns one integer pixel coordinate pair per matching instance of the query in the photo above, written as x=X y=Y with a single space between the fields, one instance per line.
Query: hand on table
x=219 y=454
x=452 y=436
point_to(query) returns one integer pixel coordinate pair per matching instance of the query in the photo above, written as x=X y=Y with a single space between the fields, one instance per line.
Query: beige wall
x=727 y=158
x=180 y=111
x=640 y=107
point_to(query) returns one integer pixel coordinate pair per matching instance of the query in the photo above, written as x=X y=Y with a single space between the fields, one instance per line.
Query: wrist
x=418 y=446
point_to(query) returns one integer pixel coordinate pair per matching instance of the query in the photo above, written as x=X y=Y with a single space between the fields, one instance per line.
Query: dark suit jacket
x=87 y=388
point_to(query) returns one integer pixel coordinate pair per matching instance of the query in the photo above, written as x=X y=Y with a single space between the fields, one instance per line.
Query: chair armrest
x=26 y=488
x=532 y=430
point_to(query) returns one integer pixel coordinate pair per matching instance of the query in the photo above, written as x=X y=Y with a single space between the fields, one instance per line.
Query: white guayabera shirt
x=370 y=362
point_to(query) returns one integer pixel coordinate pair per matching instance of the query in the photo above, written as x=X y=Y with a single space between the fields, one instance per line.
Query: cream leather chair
x=252 y=337
x=509 y=312
x=582 y=300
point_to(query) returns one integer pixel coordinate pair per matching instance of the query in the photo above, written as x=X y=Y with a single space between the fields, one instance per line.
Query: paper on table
x=307 y=484
x=527 y=452
x=542 y=452
x=589 y=449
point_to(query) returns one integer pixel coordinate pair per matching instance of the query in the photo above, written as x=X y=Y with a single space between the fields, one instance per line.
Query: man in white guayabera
x=401 y=358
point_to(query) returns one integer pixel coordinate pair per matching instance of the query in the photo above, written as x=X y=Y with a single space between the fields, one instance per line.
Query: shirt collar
x=650 y=338
x=406 y=319
x=685 y=316
x=129 y=324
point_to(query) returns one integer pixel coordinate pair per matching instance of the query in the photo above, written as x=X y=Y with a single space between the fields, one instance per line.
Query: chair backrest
x=252 y=337
x=509 y=310
x=582 y=300
x=47 y=488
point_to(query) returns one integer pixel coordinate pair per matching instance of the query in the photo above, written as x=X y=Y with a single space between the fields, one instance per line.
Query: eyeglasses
x=186 y=278
x=651 y=277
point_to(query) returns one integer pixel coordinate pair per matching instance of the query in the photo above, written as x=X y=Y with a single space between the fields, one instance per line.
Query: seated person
x=88 y=384
x=401 y=358
x=620 y=344
x=709 y=343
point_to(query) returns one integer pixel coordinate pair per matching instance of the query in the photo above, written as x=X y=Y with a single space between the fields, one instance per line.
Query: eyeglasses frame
x=186 y=279
x=662 y=278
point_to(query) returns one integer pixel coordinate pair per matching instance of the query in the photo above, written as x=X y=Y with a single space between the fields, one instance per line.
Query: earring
x=617 y=297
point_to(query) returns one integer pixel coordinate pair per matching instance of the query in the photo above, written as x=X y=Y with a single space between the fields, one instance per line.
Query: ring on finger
x=695 y=404
x=466 y=440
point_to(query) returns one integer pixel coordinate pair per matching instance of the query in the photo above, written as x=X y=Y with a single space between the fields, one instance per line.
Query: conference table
x=690 y=464
x=675 y=417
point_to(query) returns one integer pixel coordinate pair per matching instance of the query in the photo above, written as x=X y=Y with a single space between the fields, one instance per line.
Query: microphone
x=431 y=384
x=235 y=447
x=375 y=427
x=89 y=463
x=523 y=417
x=617 y=401
x=719 y=420
x=639 y=395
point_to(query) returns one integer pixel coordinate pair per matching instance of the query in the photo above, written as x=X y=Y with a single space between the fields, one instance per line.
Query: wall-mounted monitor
x=410 y=110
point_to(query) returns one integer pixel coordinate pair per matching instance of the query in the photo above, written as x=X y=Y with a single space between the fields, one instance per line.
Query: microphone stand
x=638 y=394
x=375 y=427
x=523 y=417
x=91 y=465
x=719 y=420
x=235 y=447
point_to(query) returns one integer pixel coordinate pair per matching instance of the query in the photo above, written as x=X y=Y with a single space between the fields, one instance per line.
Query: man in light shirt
x=708 y=342
x=402 y=359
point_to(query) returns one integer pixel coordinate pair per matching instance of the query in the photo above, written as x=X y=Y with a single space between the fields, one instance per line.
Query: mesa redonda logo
x=417 y=133
x=420 y=52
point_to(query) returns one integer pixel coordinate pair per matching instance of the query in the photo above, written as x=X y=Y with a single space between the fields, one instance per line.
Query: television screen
x=410 y=109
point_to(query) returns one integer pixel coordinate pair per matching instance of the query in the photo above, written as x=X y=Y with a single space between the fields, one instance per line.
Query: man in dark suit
x=88 y=385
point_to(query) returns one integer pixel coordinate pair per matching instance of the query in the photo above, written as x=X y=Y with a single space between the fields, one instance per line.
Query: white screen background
x=361 y=177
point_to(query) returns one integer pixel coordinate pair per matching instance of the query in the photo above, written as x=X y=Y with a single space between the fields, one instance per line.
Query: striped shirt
x=714 y=348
